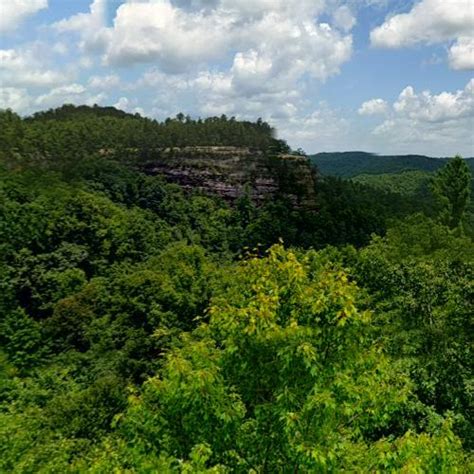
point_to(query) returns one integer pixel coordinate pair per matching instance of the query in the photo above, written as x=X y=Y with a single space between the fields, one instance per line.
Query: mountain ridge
x=353 y=163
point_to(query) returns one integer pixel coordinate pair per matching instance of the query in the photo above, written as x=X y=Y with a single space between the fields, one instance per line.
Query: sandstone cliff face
x=231 y=171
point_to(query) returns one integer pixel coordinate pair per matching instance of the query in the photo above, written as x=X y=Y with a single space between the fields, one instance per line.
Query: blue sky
x=387 y=76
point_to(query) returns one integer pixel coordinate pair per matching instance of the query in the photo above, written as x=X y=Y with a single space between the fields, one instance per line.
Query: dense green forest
x=149 y=329
x=353 y=163
x=405 y=183
x=83 y=129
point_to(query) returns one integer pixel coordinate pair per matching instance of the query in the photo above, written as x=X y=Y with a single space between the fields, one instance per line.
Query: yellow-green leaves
x=284 y=376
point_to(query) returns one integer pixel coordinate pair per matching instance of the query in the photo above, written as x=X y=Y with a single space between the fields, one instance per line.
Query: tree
x=452 y=187
x=284 y=378
x=419 y=277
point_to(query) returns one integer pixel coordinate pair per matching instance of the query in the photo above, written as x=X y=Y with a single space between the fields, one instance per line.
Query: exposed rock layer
x=231 y=171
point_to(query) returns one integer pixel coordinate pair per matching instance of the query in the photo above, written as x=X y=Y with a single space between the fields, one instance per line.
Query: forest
x=145 y=328
x=353 y=163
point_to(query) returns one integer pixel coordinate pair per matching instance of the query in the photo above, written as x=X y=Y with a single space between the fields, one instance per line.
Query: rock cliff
x=232 y=171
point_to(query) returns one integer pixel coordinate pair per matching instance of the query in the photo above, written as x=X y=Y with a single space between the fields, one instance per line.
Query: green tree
x=452 y=186
x=285 y=378
x=420 y=281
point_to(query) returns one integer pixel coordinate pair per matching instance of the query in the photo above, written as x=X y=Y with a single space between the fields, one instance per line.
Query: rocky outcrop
x=232 y=171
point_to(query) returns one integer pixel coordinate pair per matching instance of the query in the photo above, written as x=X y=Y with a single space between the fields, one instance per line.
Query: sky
x=385 y=76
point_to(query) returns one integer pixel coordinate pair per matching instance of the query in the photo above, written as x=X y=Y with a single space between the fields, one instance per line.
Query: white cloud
x=373 y=107
x=429 y=21
x=322 y=129
x=274 y=48
x=246 y=58
x=13 y=12
x=159 y=31
x=155 y=78
x=442 y=123
x=183 y=35
x=109 y=81
x=417 y=122
x=247 y=90
x=218 y=84
x=90 y=26
x=26 y=68
x=343 y=18
x=129 y=105
x=427 y=107
x=14 y=98
x=461 y=54
x=70 y=94
x=60 y=48
x=251 y=72
x=255 y=9
x=432 y=21
x=299 y=47
x=216 y=93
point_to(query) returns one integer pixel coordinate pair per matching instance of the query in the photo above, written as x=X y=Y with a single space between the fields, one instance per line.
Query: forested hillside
x=353 y=163
x=107 y=128
x=407 y=182
x=146 y=327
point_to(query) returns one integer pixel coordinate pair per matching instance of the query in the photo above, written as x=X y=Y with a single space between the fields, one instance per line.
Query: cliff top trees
x=95 y=128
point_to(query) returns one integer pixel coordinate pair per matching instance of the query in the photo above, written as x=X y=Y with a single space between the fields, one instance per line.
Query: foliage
x=452 y=186
x=105 y=128
x=148 y=329
x=353 y=163
x=284 y=376
x=420 y=279
x=411 y=183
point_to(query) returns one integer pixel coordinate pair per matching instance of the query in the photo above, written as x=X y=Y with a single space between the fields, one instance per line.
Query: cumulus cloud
x=429 y=21
x=179 y=35
x=441 y=122
x=240 y=57
x=218 y=92
x=461 y=54
x=14 y=98
x=343 y=18
x=106 y=82
x=428 y=107
x=321 y=129
x=90 y=26
x=129 y=105
x=26 y=68
x=432 y=21
x=69 y=94
x=247 y=58
x=373 y=107
x=254 y=72
x=159 y=31
x=251 y=88
x=13 y=12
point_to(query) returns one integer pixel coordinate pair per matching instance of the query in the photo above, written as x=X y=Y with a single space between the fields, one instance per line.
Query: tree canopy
x=144 y=328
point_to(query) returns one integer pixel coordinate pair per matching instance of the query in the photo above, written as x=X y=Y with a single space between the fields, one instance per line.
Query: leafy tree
x=22 y=340
x=284 y=377
x=452 y=185
x=419 y=278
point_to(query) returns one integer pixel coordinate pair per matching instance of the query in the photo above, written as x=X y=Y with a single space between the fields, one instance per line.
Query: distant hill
x=353 y=163
x=408 y=183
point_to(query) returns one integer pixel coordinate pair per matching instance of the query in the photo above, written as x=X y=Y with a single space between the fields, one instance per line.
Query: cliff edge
x=230 y=172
